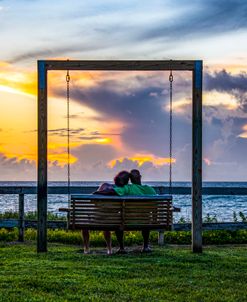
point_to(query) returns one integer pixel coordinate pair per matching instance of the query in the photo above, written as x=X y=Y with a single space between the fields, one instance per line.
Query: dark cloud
x=141 y=111
x=74 y=116
x=38 y=54
x=79 y=133
x=224 y=81
x=228 y=160
x=104 y=133
x=207 y=17
x=91 y=153
x=52 y=52
x=146 y=124
x=14 y=169
x=90 y=137
x=92 y=163
x=64 y=132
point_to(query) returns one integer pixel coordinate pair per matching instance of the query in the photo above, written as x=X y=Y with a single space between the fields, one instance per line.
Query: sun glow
x=104 y=140
x=17 y=80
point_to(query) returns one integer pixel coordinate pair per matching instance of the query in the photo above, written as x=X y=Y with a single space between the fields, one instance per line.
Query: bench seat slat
x=92 y=218
x=102 y=211
x=117 y=198
x=134 y=227
x=93 y=205
x=125 y=213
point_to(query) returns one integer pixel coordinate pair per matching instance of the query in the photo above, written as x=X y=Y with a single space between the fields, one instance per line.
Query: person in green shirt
x=136 y=189
x=122 y=188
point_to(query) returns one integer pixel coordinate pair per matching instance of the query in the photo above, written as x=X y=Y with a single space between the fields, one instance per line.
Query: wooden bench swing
x=154 y=216
x=100 y=212
x=126 y=213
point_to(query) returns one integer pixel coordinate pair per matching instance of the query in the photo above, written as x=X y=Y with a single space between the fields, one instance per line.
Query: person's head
x=122 y=178
x=135 y=177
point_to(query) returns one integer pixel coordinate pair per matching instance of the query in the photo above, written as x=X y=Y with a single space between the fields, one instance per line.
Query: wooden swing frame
x=196 y=66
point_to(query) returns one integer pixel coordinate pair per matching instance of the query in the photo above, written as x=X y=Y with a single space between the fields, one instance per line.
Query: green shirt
x=136 y=190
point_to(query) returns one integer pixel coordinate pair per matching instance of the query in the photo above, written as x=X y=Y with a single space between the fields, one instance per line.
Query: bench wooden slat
x=97 y=208
x=96 y=203
x=125 y=213
x=134 y=227
x=78 y=197
x=100 y=218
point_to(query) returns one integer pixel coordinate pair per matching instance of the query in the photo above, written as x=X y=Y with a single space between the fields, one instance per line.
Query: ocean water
x=220 y=206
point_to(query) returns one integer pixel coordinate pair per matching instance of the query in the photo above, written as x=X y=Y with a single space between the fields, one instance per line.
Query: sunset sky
x=120 y=120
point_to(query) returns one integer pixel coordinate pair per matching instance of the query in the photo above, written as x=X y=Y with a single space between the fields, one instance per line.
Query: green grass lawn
x=167 y=274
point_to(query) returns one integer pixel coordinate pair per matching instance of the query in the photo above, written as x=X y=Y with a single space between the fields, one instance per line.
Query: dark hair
x=105 y=189
x=135 y=176
x=122 y=178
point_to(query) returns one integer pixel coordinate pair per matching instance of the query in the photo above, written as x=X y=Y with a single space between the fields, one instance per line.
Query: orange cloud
x=212 y=98
x=56 y=153
x=223 y=99
x=61 y=159
x=243 y=134
x=142 y=158
x=24 y=81
x=233 y=68
x=59 y=147
x=207 y=161
x=17 y=80
x=179 y=106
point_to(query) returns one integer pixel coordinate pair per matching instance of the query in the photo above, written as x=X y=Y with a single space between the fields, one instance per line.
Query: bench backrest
x=112 y=213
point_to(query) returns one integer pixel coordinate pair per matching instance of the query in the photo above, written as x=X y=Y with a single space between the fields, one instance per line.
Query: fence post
x=161 y=238
x=21 y=218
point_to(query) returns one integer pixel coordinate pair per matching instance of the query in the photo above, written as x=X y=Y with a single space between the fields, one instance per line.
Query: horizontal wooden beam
x=119 y=65
x=14 y=223
x=229 y=226
x=90 y=189
x=59 y=224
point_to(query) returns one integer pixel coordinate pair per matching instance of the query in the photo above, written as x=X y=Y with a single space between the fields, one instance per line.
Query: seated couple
x=122 y=187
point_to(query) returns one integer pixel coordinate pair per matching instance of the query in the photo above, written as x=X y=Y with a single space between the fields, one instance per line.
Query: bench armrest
x=175 y=209
x=64 y=210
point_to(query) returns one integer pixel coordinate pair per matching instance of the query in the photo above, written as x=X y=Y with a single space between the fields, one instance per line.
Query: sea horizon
x=221 y=206
x=153 y=182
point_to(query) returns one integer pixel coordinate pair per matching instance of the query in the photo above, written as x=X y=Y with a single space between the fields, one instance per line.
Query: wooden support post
x=42 y=157
x=21 y=218
x=197 y=158
x=161 y=238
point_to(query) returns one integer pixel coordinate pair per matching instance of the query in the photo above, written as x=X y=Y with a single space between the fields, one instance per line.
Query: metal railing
x=21 y=191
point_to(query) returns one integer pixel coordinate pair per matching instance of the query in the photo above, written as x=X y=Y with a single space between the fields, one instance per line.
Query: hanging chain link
x=170 y=155
x=68 y=133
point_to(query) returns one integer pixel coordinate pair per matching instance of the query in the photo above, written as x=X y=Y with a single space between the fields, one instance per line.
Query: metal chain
x=68 y=133
x=170 y=155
